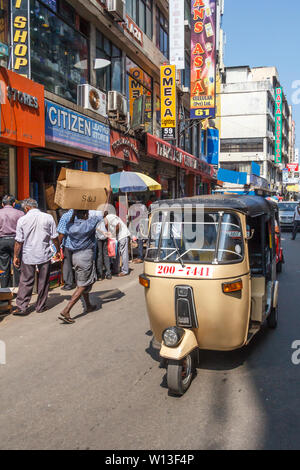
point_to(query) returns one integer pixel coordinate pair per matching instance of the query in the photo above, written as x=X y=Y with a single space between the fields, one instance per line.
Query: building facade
x=248 y=122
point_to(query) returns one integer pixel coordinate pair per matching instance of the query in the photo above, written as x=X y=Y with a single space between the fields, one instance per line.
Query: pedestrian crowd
x=93 y=245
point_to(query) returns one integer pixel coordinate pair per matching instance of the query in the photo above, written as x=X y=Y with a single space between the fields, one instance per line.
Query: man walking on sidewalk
x=296 y=221
x=9 y=217
x=33 y=236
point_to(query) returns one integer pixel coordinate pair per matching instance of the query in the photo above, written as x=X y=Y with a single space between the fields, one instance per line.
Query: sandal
x=66 y=319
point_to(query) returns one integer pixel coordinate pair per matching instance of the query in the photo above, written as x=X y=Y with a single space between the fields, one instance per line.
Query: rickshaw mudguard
x=186 y=345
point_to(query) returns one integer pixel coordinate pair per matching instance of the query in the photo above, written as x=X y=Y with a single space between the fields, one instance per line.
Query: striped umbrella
x=131 y=182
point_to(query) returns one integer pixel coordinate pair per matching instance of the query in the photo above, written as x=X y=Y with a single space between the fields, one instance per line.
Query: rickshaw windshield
x=195 y=236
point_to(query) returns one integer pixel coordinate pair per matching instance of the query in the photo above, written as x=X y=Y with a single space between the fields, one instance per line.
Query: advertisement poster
x=168 y=101
x=20 y=37
x=203 y=59
x=278 y=124
x=176 y=16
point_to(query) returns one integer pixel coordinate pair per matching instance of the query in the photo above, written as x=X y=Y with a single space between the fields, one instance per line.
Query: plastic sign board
x=278 y=124
x=20 y=37
x=168 y=101
x=176 y=22
x=203 y=59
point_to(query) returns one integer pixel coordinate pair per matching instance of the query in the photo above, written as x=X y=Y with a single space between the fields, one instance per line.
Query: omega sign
x=20 y=37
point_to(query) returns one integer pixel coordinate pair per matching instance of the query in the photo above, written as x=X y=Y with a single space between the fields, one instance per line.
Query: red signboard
x=22 y=110
x=123 y=147
x=161 y=150
x=292 y=166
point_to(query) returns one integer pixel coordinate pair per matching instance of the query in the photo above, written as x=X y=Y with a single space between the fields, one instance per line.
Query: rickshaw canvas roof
x=252 y=206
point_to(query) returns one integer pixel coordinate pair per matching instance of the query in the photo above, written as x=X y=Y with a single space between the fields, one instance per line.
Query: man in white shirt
x=296 y=221
x=118 y=229
x=33 y=238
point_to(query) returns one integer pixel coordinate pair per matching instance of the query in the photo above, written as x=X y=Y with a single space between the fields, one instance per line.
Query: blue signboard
x=65 y=126
x=255 y=169
x=213 y=146
x=229 y=176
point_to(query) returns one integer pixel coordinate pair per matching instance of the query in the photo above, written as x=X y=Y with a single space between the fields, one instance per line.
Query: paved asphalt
x=97 y=384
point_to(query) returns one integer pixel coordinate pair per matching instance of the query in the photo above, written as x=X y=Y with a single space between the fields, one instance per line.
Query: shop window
x=111 y=77
x=4 y=21
x=162 y=33
x=141 y=13
x=139 y=83
x=59 y=52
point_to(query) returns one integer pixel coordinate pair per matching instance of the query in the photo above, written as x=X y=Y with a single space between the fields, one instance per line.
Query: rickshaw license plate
x=199 y=272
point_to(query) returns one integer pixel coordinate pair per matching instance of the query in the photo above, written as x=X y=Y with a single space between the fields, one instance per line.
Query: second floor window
x=111 y=77
x=141 y=13
x=162 y=33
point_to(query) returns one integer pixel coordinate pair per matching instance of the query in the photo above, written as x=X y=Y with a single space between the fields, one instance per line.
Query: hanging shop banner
x=124 y=147
x=176 y=17
x=203 y=59
x=168 y=101
x=65 y=126
x=278 y=124
x=20 y=36
x=213 y=146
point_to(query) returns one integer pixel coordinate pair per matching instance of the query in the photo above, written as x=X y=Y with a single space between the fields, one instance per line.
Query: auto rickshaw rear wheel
x=272 y=319
x=180 y=374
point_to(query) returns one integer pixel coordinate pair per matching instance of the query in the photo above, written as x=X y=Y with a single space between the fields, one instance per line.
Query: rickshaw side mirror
x=251 y=234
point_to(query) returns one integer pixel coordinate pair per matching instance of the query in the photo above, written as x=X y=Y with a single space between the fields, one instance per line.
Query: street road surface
x=97 y=384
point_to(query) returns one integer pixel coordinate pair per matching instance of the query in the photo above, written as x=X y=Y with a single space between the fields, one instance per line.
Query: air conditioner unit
x=117 y=106
x=117 y=9
x=90 y=98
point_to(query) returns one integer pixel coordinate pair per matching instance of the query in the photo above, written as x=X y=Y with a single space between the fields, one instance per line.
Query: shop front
x=191 y=176
x=72 y=141
x=22 y=128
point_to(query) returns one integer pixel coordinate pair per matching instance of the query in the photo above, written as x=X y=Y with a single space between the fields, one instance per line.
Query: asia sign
x=20 y=37
x=168 y=101
x=278 y=124
x=203 y=59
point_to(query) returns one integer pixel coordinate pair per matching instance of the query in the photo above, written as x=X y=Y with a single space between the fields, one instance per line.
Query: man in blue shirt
x=68 y=273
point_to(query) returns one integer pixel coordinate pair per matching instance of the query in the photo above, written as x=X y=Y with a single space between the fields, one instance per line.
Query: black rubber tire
x=279 y=266
x=272 y=319
x=178 y=385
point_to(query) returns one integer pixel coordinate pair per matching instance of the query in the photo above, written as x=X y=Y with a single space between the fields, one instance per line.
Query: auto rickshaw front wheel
x=180 y=374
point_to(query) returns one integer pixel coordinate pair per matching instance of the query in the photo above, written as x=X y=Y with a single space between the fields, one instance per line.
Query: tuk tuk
x=209 y=277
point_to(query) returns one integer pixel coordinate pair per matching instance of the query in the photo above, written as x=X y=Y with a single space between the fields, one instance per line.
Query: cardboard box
x=82 y=190
x=50 y=194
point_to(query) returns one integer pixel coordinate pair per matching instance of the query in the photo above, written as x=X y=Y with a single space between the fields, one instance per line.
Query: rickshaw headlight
x=172 y=336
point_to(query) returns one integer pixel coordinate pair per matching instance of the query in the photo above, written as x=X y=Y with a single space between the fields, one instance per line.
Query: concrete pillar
x=23 y=173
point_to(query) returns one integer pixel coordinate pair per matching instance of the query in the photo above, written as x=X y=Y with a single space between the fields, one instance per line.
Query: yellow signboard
x=168 y=101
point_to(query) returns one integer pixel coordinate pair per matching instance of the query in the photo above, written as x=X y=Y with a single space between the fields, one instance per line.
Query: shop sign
x=67 y=127
x=285 y=176
x=177 y=51
x=123 y=147
x=292 y=166
x=134 y=30
x=22 y=104
x=203 y=59
x=213 y=146
x=20 y=36
x=168 y=101
x=157 y=148
x=259 y=182
x=278 y=124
